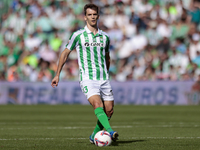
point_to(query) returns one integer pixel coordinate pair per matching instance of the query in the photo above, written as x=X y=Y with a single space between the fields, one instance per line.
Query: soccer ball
x=102 y=138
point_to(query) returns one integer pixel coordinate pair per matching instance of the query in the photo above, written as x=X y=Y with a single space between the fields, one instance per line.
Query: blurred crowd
x=150 y=39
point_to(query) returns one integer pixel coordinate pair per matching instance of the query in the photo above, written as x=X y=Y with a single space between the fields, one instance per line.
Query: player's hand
x=55 y=81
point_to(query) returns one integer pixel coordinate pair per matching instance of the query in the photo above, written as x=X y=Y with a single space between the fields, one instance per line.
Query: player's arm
x=107 y=61
x=71 y=45
x=63 y=58
x=107 y=57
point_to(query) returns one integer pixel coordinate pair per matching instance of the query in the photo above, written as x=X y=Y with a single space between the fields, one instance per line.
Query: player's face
x=91 y=17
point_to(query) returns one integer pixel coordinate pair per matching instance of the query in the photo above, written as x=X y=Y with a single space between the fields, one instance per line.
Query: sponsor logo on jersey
x=87 y=44
x=94 y=44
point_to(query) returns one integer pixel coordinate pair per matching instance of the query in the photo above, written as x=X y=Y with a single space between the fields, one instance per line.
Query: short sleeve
x=73 y=42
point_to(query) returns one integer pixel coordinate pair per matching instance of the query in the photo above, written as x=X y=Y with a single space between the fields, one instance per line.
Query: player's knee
x=97 y=104
x=95 y=101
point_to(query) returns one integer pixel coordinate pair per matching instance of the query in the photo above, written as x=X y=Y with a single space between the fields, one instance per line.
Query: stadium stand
x=150 y=39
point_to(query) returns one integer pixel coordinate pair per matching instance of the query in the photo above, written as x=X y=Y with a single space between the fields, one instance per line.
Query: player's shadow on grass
x=125 y=142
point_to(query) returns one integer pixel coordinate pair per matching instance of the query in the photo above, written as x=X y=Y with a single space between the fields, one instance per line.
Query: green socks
x=98 y=128
x=102 y=120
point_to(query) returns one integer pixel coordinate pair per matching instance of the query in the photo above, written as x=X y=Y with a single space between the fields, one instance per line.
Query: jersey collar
x=88 y=31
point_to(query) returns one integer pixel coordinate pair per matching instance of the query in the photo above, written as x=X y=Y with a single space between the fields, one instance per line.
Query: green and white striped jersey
x=91 y=50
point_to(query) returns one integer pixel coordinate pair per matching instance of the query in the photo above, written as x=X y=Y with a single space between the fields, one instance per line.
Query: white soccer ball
x=102 y=138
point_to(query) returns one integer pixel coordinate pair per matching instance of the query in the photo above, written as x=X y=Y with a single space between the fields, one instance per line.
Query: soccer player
x=92 y=46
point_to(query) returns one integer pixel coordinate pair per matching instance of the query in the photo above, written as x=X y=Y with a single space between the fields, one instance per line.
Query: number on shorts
x=85 y=89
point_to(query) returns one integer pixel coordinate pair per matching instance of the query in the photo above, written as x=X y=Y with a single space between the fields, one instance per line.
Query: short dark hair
x=91 y=6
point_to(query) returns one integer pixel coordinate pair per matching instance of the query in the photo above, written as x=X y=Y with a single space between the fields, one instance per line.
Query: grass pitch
x=67 y=127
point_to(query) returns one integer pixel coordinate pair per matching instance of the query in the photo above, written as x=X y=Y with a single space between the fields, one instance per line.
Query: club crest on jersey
x=94 y=44
x=86 y=38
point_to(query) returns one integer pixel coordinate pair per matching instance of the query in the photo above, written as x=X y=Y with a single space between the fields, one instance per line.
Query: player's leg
x=99 y=126
x=108 y=101
x=91 y=91
x=97 y=104
x=108 y=108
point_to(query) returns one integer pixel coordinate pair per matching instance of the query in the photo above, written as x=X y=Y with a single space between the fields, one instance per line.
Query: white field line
x=23 y=139
x=164 y=138
x=67 y=128
x=86 y=127
x=42 y=123
x=89 y=122
x=128 y=126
